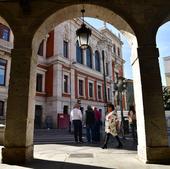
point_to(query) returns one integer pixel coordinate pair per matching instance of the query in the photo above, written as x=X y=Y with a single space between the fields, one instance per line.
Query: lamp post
x=120 y=86
x=71 y=66
x=83 y=34
x=104 y=78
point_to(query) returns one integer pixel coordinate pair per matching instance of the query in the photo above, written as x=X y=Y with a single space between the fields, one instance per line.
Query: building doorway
x=38 y=117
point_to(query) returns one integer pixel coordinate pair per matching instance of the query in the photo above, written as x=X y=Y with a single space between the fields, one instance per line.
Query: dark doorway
x=38 y=117
x=65 y=109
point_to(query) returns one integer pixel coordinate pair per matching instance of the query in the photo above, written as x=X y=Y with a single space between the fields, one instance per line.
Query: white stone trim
x=91 y=81
x=99 y=84
x=42 y=72
x=69 y=84
x=68 y=48
x=108 y=94
x=83 y=79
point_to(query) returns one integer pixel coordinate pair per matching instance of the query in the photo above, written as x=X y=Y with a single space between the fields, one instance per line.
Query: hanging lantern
x=83 y=34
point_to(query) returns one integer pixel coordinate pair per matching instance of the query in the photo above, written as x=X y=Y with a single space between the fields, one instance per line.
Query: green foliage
x=166 y=98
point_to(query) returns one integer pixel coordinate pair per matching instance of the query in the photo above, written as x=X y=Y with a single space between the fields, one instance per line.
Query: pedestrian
x=98 y=122
x=76 y=119
x=110 y=126
x=90 y=122
x=132 y=121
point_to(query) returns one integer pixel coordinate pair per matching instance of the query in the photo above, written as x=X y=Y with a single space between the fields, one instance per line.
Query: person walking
x=97 y=125
x=76 y=119
x=90 y=122
x=132 y=121
x=110 y=126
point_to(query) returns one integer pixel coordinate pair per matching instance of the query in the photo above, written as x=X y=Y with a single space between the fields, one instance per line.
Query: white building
x=66 y=74
x=167 y=70
x=6 y=44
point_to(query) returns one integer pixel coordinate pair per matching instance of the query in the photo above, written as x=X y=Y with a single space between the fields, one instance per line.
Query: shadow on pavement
x=46 y=164
x=57 y=136
x=127 y=145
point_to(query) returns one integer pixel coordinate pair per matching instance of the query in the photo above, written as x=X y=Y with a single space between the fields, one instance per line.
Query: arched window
x=88 y=57
x=4 y=32
x=97 y=61
x=79 y=54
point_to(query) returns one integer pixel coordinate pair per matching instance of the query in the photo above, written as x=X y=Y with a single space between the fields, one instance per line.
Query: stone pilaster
x=18 y=147
x=152 y=132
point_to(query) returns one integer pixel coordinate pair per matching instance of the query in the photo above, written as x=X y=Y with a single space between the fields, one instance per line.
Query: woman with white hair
x=110 y=126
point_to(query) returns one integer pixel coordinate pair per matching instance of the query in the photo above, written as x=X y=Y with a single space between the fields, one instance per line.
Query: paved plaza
x=56 y=149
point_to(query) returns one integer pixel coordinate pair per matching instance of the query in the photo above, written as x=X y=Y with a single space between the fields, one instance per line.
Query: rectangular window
x=79 y=54
x=65 y=109
x=114 y=48
x=107 y=69
x=3 y=65
x=39 y=82
x=65 y=84
x=90 y=89
x=5 y=35
x=65 y=49
x=4 y=32
x=118 y=51
x=81 y=92
x=108 y=93
x=1 y=108
x=99 y=89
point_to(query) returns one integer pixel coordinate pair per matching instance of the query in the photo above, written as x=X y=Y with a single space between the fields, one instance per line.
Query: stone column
x=151 y=123
x=18 y=147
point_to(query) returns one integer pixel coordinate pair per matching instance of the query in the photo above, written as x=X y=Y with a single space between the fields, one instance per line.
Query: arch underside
x=73 y=11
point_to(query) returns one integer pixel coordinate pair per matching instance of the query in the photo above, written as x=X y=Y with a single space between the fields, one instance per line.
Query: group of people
x=93 y=124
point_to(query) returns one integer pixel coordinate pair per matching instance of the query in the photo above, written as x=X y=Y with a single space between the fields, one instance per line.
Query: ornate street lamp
x=120 y=86
x=83 y=34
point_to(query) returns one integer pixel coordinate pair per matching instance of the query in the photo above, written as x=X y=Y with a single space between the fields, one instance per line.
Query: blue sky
x=163 y=43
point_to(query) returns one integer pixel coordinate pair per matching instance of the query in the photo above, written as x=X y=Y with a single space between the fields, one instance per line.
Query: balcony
x=6 y=46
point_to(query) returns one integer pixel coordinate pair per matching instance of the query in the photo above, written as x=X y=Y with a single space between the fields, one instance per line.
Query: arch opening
x=74 y=11
x=57 y=18
x=163 y=43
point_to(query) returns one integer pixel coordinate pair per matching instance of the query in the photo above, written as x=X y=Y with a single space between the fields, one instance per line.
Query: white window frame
x=42 y=72
x=90 y=81
x=99 y=84
x=109 y=94
x=66 y=40
x=69 y=85
x=83 y=79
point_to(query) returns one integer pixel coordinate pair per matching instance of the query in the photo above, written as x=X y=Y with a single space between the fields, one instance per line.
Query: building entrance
x=38 y=117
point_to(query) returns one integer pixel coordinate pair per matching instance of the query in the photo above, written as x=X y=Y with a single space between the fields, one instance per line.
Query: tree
x=166 y=98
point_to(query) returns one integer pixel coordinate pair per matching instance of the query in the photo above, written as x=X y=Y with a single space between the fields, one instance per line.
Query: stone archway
x=145 y=65
x=162 y=42
x=145 y=150
x=74 y=12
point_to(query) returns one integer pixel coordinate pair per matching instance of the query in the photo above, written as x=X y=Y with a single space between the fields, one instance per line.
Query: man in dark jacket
x=90 y=122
